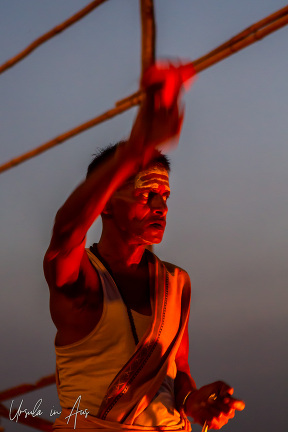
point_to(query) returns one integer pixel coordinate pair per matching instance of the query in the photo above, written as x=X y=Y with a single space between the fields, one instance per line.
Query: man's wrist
x=125 y=157
x=186 y=397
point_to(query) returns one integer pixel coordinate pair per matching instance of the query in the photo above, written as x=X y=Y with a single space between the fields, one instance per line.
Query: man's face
x=139 y=207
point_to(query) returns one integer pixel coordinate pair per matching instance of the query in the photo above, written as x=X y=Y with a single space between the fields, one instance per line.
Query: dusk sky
x=227 y=220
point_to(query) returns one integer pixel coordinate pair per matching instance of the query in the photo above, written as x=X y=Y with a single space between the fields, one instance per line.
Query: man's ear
x=107 y=211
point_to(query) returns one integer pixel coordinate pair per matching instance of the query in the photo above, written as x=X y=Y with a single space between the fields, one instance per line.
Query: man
x=122 y=314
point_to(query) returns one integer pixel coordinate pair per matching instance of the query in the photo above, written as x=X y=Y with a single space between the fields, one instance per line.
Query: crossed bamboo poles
x=243 y=39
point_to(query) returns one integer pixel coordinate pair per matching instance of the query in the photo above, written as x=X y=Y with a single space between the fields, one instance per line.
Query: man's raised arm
x=158 y=121
x=78 y=213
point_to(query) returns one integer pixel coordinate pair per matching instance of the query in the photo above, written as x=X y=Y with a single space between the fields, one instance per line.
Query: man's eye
x=143 y=196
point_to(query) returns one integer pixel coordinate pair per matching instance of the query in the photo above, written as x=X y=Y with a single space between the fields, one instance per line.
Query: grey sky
x=227 y=221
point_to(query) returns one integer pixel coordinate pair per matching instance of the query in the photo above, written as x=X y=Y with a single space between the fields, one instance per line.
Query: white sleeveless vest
x=87 y=367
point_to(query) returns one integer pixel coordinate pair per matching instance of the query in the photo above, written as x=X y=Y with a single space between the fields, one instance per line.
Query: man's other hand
x=214 y=404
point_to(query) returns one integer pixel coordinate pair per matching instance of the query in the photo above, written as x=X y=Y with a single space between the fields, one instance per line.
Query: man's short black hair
x=107 y=152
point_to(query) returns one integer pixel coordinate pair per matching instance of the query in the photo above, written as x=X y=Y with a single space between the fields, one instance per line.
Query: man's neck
x=120 y=254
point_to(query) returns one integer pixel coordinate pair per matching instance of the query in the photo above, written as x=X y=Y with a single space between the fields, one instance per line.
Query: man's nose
x=158 y=205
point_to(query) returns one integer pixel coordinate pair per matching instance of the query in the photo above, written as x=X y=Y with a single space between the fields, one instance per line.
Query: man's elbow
x=58 y=274
x=183 y=366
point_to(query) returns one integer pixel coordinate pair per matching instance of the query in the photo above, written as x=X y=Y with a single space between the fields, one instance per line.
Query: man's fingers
x=220 y=420
x=168 y=78
x=216 y=404
x=221 y=406
x=231 y=414
x=230 y=402
x=171 y=88
x=224 y=389
x=230 y=390
x=238 y=405
x=188 y=73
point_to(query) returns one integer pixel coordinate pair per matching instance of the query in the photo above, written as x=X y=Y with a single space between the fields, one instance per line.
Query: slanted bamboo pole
x=148 y=34
x=26 y=388
x=243 y=39
x=259 y=30
x=50 y=34
x=250 y=30
x=71 y=133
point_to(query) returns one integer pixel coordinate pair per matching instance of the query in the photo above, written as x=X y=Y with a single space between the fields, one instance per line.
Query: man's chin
x=150 y=240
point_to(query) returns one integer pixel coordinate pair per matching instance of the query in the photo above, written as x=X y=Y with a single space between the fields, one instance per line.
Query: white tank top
x=87 y=367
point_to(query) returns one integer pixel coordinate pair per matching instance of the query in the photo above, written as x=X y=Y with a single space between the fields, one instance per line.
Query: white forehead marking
x=152 y=178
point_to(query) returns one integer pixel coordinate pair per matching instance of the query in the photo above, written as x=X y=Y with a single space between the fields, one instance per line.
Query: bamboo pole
x=71 y=133
x=148 y=34
x=249 y=30
x=247 y=37
x=50 y=34
x=243 y=39
x=252 y=34
x=148 y=43
x=26 y=388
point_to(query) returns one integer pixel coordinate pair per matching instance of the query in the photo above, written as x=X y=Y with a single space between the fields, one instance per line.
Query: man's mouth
x=159 y=224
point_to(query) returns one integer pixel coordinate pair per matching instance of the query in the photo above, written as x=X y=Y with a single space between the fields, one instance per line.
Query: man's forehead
x=152 y=177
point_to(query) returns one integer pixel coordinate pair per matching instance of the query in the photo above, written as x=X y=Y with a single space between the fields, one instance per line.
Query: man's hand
x=213 y=403
x=160 y=116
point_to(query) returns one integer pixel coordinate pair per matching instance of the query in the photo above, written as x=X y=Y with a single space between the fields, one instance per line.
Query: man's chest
x=134 y=289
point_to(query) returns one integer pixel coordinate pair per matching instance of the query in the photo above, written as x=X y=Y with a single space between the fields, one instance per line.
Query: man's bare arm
x=184 y=383
x=158 y=121
x=213 y=402
x=78 y=213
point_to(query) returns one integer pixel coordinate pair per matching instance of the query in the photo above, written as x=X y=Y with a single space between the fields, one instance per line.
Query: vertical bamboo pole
x=148 y=41
x=148 y=34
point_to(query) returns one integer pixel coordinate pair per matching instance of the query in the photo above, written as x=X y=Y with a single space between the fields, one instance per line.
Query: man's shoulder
x=175 y=269
x=179 y=278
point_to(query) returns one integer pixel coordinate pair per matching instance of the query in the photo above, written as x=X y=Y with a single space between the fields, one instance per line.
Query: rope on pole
x=50 y=34
x=252 y=34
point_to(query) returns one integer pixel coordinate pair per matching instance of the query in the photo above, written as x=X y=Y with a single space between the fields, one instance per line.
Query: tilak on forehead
x=151 y=179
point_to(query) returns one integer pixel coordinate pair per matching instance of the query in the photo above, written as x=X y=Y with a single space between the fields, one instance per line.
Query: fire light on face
x=152 y=179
